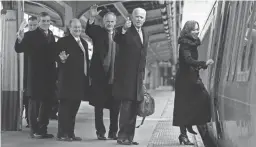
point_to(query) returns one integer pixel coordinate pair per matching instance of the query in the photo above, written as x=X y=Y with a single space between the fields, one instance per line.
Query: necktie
x=110 y=59
x=46 y=33
x=141 y=35
x=85 y=63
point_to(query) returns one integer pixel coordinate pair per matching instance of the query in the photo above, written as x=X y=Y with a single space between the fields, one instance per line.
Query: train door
x=217 y=54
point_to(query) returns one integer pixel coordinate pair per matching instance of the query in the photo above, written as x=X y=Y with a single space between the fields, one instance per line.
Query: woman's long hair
x=188 y=27
x=186 y=33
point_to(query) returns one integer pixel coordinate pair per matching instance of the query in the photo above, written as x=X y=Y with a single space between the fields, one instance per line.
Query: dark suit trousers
x=127 y=120
x=114 y=112
x=68 y=109
x=38 y=113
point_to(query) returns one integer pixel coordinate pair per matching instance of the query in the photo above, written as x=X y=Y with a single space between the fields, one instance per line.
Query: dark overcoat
x=72 y=82
x=25 y=64
x=40 y=54
x=192 y=101
x=101 y=91
x=130 y=65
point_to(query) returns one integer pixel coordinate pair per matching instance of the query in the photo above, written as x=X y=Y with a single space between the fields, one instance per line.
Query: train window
x=230 y=31
x=233 y=45
x=249 y=39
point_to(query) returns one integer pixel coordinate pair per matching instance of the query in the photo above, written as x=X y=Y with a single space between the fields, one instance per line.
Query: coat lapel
x=145 y=38
x=136 y=36
x=73 y=41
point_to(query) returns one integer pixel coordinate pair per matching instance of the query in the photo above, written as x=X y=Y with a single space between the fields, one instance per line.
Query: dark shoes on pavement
x=41 y=136
x=126 y=142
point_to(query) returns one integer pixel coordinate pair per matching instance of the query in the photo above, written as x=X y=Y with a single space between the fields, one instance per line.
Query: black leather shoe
x=75 y=138
x=36 y=136
x=101 y=137
x=124 y=142
x=47 y=136
x=112 y=136
x=134 y=143
x=64 y=139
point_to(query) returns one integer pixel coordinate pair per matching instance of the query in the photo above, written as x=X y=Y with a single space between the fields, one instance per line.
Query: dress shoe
x=134 y=143
x=64 y=139
x=36 y=136
x=112 y=135
x=101 y=137
x=75 y=138
x=47 y=136
x=124 y=142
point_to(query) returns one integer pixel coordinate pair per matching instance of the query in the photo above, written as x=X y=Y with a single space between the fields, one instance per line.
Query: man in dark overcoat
x=130 y=70
x=39 y=45
x=32 y=25
x=73 y=81
x=102 y=72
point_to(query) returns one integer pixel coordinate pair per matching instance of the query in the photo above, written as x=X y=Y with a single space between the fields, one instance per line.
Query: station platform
x=157 y=130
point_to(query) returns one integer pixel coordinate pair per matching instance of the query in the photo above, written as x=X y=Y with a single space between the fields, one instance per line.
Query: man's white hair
x=140 y=10
x=109 y=13
x=74 y=20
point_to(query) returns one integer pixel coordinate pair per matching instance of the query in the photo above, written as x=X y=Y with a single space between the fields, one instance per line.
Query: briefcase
x=146 y=107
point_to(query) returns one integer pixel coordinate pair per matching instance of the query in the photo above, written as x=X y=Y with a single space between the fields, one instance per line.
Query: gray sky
x=197 y=10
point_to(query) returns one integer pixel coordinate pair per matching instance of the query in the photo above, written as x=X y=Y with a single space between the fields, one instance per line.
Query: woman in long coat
x=192 y=101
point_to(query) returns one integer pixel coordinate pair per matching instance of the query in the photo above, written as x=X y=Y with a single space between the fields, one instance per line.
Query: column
x=68 y=13
x=11 y=90
x=157 y=77
x=165 y=75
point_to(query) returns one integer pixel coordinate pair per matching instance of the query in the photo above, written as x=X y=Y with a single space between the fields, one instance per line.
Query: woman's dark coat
x=192 y=101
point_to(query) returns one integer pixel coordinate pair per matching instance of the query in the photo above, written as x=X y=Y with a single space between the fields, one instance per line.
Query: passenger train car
x=229 y=38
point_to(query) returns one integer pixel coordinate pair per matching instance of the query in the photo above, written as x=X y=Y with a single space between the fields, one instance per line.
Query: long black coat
x=131 y=64
x=25 y=69
x=101 y=91
x=41 y=69
x=192 y=101
x=72 y=82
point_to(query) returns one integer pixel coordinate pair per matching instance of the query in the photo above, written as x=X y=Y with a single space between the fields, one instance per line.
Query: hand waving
x=93 y=10
x=63 y=56
x=127 y=24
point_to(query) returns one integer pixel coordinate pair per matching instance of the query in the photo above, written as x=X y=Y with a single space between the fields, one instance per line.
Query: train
x=229 y=38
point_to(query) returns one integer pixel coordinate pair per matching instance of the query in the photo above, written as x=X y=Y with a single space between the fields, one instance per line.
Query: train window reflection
x=234 y=37
x=248 y=44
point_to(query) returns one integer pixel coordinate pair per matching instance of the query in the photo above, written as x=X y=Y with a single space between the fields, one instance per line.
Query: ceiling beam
x=122 y=10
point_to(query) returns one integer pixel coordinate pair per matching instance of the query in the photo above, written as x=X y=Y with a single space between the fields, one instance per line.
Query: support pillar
x=11 y=100
x=68 y=13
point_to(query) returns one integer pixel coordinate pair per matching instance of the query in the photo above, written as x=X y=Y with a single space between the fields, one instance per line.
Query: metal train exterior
x=229 y=38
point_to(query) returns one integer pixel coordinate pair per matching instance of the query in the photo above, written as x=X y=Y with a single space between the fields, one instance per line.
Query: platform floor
x=157 y=130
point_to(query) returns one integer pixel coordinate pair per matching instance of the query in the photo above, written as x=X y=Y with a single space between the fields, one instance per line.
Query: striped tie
x=85 y=63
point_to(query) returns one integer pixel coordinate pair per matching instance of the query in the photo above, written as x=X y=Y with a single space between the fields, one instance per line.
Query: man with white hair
x=129 y=75
x=102 y=72
x=73 y=81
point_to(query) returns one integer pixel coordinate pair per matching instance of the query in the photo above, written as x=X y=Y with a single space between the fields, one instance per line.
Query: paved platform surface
x=157 y=130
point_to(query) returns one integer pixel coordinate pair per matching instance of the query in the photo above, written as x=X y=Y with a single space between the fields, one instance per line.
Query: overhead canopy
x=160 y=24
